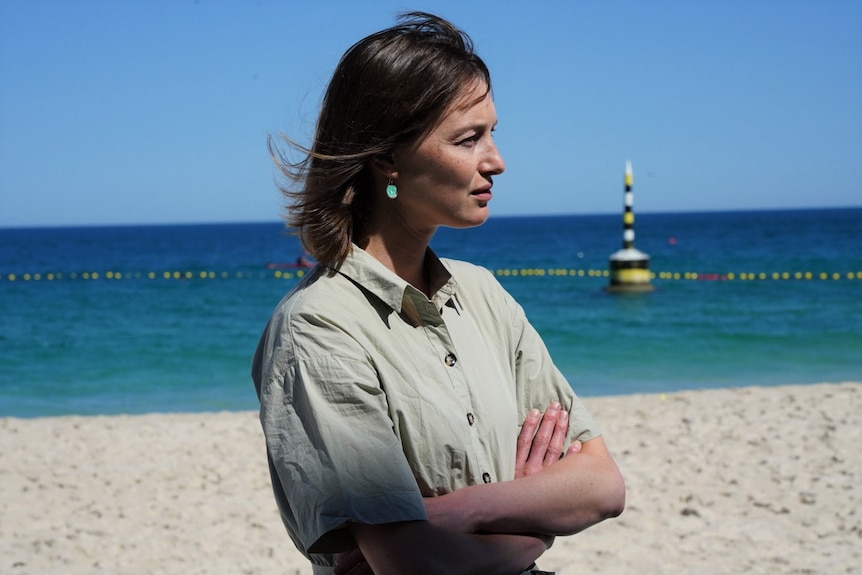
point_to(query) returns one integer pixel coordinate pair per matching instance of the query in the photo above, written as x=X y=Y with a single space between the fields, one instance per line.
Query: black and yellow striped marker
x=629 y=267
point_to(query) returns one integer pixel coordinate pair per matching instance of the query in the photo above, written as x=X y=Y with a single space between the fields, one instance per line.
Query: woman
x=393 y=384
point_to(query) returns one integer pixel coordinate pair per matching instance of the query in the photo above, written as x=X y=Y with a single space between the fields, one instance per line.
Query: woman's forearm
x=574 y=493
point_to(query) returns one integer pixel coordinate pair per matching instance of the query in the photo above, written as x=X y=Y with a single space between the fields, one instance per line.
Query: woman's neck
x=397 y=242
x=404 y=257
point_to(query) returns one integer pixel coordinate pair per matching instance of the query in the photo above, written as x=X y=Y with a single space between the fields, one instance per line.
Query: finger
x=543 y=436
x=525 y=439
x=558 y=439
x=575 y=447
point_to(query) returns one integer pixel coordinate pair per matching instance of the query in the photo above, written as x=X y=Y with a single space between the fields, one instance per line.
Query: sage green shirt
x=373 y=396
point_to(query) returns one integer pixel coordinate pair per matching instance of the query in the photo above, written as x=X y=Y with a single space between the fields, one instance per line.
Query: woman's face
x=445 y=180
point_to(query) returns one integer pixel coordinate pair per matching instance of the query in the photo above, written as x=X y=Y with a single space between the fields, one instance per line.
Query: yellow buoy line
x=186 y=275
x=164 y=275
x=689 y=276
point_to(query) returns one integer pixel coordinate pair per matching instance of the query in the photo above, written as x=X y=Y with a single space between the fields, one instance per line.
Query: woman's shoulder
x=322 y=315
x=319 y=294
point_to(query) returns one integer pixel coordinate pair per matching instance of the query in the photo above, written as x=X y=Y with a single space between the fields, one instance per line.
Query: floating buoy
x=629 y=267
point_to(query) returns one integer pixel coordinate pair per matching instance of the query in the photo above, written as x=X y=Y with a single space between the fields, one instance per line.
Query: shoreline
x=744 y=479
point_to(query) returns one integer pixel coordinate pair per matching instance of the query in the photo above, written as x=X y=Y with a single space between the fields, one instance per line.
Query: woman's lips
x=482 y=195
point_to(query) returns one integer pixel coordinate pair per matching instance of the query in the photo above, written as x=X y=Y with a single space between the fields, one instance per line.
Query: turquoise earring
x=391 y=190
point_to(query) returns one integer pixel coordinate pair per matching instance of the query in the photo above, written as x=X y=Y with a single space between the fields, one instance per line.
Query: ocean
x=136 y=319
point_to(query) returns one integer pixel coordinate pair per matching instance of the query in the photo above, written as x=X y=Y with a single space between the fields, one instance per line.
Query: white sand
x=750 y=480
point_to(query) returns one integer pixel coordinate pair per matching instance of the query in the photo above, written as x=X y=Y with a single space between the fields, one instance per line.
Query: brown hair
x=389 y=91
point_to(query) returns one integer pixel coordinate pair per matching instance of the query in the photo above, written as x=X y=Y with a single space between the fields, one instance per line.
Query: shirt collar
x=362 y=268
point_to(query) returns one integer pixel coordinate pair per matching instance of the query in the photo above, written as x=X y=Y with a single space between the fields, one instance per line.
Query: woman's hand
x=541 y=440
x=540 y=444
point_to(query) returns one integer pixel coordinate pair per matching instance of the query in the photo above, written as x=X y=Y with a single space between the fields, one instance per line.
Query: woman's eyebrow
x=476 y=127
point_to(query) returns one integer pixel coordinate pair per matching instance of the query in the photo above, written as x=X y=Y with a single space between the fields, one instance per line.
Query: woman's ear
x=385 y=166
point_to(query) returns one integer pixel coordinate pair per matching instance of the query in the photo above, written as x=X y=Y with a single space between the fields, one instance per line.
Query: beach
x=738 y=480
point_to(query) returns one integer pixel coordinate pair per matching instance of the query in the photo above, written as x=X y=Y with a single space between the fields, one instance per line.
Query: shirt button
x=486 y=477
x=450 y=359
x=470 y=418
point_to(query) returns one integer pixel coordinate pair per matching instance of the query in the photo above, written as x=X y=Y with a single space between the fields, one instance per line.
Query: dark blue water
x=134 y=341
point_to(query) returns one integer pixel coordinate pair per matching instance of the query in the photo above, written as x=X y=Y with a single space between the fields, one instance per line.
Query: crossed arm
x=500 y=527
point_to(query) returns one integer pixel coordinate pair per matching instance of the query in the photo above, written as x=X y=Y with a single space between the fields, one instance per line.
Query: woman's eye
x=470 y=140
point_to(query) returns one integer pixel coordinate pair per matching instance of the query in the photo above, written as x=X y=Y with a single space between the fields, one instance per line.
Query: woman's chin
x=476 y=218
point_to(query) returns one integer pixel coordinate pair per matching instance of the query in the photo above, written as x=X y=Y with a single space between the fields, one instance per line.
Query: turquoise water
x=126 y=343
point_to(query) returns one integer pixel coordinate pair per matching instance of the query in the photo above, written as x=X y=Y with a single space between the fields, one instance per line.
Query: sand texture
x=748 y=480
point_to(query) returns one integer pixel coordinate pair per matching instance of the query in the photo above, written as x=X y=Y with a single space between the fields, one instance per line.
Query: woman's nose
x=494 y=164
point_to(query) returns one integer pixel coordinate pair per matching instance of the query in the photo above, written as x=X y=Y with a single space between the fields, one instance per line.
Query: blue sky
x=158 y=111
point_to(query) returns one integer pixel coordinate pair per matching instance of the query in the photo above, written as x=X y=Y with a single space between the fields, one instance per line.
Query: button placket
x=480 y=462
